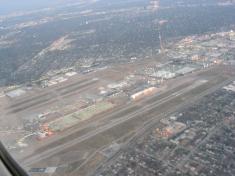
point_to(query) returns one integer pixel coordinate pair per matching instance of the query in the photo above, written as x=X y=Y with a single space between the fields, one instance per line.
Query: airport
x=83 y=120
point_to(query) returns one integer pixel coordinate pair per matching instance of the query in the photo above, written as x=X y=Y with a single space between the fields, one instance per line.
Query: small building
x=69 y=74
x=117 y=85
x=164 y=74
x=15 y=93
x=185 y=70
x=61 y=79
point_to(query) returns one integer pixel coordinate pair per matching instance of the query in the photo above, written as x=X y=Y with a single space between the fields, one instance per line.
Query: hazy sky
x=9 y=6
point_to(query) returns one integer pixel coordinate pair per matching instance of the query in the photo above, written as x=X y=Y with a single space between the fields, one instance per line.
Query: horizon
x=8 y=7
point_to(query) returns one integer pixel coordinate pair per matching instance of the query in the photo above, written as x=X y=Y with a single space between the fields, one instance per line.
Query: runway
x=48 y=96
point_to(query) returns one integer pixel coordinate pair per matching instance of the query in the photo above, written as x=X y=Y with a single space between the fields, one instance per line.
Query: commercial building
x=143 y=93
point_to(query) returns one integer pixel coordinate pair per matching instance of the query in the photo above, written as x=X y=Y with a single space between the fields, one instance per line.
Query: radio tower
x=154 y=6
x=160 y=24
